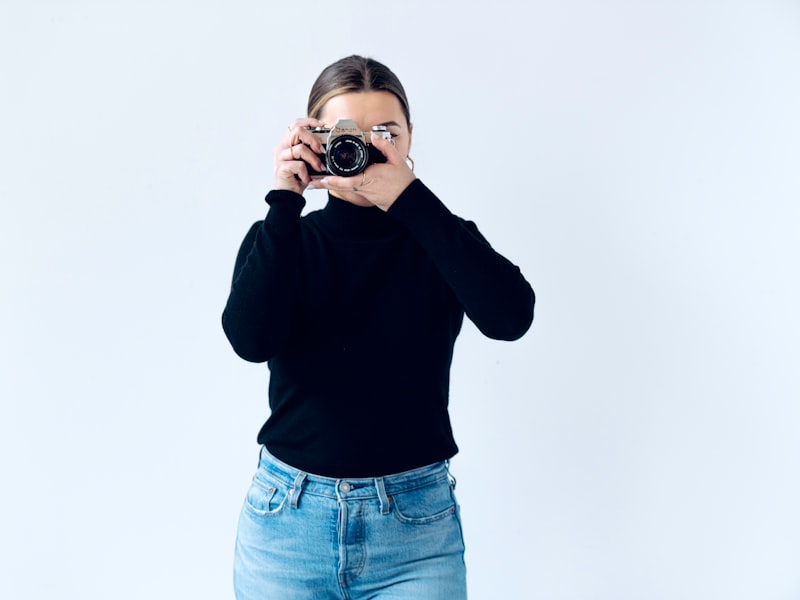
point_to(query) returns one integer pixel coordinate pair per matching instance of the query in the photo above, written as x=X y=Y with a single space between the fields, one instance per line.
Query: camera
x=346 y=150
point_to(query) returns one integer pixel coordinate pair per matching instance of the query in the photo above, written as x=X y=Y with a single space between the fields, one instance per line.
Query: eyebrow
x=389 y=124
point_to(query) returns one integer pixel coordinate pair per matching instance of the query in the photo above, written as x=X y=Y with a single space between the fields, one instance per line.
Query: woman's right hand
x=298 y=147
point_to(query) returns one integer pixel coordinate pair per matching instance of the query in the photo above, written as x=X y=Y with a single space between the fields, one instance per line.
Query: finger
x=301 y=152
x=306 y=154
x=284 y=153
x=293 y=174
x=334 y=182
x=305 y=122
x=292 y=171
x=300 y=131
x=387 y=148
x=297 y=139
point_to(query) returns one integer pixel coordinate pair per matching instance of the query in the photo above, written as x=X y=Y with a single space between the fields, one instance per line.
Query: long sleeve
x=258 y=312
x=494 y=294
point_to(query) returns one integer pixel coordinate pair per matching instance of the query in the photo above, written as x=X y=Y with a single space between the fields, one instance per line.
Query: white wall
x=638 y=160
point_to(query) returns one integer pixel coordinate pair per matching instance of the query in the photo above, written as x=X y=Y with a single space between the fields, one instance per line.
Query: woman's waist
x=361 y=487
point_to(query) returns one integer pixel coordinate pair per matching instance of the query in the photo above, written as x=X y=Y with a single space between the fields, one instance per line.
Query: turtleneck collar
x=367 y=222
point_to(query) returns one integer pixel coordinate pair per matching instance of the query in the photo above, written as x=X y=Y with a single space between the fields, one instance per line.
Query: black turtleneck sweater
x=356 y=311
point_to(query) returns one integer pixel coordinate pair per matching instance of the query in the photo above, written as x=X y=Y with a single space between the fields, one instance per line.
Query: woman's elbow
x=244 y=343
x=513 y=323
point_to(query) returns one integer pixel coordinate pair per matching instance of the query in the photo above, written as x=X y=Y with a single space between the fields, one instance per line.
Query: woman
x=356 y=308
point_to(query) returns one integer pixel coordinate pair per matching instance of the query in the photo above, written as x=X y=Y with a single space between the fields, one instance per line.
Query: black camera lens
x=347 y=156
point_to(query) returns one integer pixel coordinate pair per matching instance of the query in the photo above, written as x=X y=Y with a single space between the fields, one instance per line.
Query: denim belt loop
x=384 y=499
x=450 y=477
x=297 y=489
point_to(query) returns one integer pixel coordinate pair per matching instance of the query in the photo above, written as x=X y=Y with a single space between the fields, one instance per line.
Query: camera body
x=346 y=150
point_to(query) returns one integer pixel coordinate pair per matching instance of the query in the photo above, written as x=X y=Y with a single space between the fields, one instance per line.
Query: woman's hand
x=297 y=148
x=379 y=184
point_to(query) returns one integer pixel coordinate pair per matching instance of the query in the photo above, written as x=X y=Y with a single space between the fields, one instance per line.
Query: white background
x=639 y=162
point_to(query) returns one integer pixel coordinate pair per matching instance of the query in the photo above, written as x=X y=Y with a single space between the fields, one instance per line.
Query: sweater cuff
x=285 y=200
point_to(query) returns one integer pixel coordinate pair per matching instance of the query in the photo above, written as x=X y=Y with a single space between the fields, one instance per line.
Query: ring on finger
x=291 y=151
x=363 y=178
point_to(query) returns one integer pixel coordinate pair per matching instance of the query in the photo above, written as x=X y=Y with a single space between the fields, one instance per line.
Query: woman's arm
x=493 y=292
x=258 y=313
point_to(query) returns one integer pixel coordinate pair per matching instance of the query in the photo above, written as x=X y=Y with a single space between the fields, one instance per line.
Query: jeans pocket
x=265 y=498
x=425 y=504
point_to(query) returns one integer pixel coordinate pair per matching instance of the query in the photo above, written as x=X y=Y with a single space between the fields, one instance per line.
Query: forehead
x=365 y=108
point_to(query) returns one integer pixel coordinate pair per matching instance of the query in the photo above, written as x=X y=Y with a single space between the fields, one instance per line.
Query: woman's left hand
x=379 y=184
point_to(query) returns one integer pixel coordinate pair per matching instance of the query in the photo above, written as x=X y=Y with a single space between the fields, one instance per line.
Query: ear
x=410 y=131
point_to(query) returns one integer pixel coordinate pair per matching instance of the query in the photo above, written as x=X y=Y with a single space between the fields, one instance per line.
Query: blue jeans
x=303 y=536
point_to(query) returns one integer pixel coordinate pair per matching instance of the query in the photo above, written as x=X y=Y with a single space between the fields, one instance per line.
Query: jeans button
x=344 y=487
